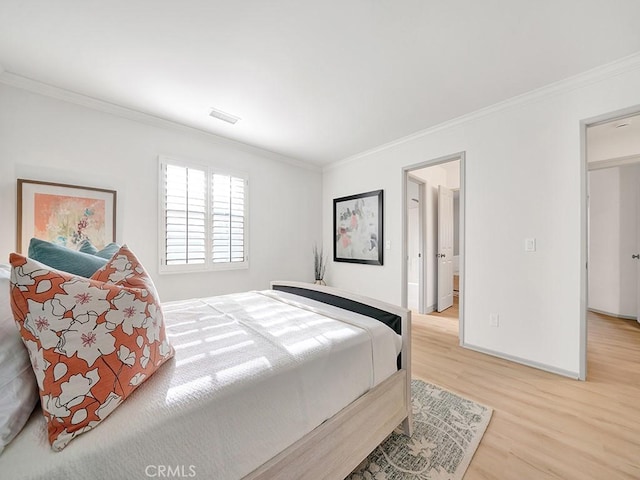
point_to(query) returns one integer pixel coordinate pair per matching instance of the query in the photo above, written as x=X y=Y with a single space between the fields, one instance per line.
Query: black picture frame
x=358 y=235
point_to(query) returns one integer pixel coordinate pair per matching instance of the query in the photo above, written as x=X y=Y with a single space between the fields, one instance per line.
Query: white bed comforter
x=253 y=373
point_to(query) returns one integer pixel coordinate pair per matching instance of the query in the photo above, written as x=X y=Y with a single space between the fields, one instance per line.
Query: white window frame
x=208 y=264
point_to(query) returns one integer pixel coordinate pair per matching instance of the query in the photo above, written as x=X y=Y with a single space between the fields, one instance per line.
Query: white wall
x=453 y=173
x=42 y=138
x=456 y=231
x=413 y=231
x=413 y=245
x=523 y=179
x=613 y=220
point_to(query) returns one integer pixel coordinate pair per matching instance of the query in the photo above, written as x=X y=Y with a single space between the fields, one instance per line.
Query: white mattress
x=253 y=373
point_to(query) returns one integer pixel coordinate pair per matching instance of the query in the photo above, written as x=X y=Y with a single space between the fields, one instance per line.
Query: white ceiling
x=614 y=140
x=314 y=80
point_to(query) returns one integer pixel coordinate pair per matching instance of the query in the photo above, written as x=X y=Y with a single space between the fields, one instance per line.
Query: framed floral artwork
x=357 y=223
x=65 y=214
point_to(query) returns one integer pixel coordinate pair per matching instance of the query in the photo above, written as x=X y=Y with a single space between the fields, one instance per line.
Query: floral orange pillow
x=92 y=342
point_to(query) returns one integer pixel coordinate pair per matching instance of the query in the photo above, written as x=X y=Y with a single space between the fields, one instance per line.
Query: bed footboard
x=336 y=447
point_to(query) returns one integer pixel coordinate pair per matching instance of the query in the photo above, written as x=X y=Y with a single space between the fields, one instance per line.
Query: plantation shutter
x=228 y=219
x=185 y=200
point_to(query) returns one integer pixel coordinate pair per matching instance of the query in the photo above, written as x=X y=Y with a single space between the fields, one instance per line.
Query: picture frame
x=64 y=214
x=358 y=228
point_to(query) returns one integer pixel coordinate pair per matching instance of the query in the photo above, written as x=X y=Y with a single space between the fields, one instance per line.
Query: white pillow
x=18 y=387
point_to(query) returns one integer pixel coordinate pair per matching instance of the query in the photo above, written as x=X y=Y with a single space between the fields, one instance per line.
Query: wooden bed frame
x=337 y=446
x=334 y=448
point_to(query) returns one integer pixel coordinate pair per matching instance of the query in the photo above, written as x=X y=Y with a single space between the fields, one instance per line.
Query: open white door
x=445 y=248
x=636 y=255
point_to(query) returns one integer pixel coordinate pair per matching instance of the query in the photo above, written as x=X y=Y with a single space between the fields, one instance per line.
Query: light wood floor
x=544 y=426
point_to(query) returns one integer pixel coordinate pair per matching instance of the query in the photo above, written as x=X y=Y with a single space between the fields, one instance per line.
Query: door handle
x=637 y=255
x=440 y=255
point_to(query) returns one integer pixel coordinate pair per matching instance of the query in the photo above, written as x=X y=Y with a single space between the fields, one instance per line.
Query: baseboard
x=523 y=361
x=429 y=309
x=609 y=314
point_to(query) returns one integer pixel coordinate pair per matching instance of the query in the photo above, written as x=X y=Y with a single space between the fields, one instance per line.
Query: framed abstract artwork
x=65 y=214
x=357 y=223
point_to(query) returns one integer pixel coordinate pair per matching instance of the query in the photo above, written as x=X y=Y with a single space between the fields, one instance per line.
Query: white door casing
x=445 y=248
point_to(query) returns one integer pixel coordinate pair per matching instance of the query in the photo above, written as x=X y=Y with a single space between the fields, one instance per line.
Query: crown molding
x=35 y=86
x=595 y=75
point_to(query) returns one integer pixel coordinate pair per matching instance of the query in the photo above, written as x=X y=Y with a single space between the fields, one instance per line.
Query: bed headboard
x=397 y=318
x=390 y=319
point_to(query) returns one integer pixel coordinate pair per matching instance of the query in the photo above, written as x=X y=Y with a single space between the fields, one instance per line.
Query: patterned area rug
x=446 y=432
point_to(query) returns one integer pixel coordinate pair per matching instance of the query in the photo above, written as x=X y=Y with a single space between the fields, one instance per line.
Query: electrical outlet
x=494 y=319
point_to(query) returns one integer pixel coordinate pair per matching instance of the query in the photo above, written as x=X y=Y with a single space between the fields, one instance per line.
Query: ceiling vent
x=227 y=117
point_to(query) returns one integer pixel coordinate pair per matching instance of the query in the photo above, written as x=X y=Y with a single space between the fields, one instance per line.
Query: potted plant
x=319 y=265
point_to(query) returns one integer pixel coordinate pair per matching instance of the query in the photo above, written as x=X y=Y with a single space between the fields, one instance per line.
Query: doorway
x=611 y=223
x=433 y=237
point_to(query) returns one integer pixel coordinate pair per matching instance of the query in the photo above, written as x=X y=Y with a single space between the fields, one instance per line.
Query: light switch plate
x=529 y=244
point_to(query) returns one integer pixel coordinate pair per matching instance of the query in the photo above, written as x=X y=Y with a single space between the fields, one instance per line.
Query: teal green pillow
x=87 y=247
x=107 y=252
x=65 y=259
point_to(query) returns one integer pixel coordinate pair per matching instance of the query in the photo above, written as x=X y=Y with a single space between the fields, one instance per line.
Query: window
x=203 y=218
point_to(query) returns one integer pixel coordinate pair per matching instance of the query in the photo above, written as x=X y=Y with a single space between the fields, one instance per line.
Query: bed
x=300 y=381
